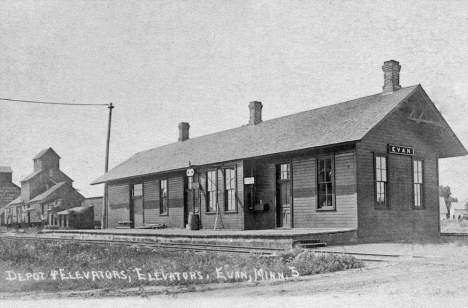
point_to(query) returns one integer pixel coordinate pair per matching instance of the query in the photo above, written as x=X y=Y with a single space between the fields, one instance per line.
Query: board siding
x=400 y=220
x=304 y=194
x=119 y=204
x=226 y=220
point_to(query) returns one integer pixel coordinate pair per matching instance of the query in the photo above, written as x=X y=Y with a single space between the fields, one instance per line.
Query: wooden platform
x=274 y=239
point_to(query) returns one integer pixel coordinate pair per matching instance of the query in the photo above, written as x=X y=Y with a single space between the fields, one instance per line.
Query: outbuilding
x=369 y=164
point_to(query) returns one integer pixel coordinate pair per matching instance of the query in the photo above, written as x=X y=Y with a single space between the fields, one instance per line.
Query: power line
x=49 y=103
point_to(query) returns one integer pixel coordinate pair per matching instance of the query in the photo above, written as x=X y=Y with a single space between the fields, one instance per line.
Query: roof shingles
x=335 y=124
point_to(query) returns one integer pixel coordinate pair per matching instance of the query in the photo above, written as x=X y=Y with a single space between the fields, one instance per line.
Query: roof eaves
x=101 y=181
x=441 y=118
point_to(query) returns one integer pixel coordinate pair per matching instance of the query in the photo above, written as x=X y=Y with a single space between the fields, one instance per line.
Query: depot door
x=283 y=196
x=137 y=212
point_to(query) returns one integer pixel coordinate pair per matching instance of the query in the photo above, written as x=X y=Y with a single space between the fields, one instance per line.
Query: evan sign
x=396 y=149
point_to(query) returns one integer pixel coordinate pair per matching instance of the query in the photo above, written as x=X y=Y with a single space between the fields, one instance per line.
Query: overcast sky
x=164 y=62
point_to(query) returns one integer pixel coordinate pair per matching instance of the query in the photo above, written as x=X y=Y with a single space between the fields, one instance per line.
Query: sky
x=202 y=62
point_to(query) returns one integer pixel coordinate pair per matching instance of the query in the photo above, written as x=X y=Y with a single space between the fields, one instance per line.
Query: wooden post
x=105 y=214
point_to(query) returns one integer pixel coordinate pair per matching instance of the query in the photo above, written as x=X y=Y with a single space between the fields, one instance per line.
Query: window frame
x=164 y=198
x=421 y=191
x=378 y=206
x=282 y=172
x=209 y=198
x=233 y=190
x=332 y=182
x=133 y=190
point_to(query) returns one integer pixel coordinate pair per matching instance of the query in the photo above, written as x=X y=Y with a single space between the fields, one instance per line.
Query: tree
x=444 y=191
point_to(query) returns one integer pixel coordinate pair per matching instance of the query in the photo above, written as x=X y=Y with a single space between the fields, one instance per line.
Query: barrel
x=193 y=222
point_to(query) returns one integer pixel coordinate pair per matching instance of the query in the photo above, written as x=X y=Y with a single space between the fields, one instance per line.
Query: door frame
x=279 y=221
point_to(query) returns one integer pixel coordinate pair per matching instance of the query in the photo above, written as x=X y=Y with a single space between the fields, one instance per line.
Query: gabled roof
x=331 y=125
x=14 y=202
x=457 y=206
x=47 y=193
x=30 y=176
x=42 y=153
x=5 y=169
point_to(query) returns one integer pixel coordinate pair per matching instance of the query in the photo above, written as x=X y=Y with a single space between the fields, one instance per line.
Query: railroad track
x=369 y=257
x=154 y=244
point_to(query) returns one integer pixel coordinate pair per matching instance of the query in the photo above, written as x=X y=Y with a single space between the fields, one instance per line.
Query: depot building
x=369 y=164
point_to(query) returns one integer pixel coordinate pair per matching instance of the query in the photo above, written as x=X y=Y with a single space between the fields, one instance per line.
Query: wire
x=49 y=103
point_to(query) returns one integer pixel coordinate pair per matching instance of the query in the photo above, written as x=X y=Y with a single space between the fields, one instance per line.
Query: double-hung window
x=381 y=181
x=325 y=183
x=211 y=191
x=418 y=183
x=163 y=197
x=230 y=189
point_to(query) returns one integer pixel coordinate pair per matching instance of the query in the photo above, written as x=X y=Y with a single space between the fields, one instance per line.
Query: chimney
x=255 y=113
x=391 y=76
x=183 y=131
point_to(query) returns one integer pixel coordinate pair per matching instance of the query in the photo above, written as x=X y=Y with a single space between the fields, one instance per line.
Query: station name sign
x=396 y=149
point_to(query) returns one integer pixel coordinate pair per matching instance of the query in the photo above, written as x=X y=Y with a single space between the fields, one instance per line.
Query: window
x=163 y=197
x=137 y=190
x=211 y=188
x=230 y=189
x=381 y=181
x=325 y=183
x=418 y=182
x=284 y=172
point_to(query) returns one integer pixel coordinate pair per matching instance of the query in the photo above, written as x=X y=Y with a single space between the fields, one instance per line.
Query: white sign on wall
x=248 y=181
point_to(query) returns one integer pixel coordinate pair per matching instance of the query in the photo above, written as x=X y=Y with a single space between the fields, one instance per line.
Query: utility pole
x=104 y=219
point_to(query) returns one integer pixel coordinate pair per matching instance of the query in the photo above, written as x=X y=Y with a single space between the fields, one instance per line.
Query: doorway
x=136 y=206
x=283 y=196
x=137 y=211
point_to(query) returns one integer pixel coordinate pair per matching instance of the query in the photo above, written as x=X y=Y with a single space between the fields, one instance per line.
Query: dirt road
x=438 y=280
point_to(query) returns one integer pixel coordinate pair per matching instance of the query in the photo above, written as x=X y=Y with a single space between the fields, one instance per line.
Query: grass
x=454 y=226
x=56 y=266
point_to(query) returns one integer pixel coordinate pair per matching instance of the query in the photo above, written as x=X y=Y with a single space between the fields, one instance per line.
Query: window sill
x=418 y=208
x=381 y=208
x=230 y=212
x=164 y=214
x=326 y=210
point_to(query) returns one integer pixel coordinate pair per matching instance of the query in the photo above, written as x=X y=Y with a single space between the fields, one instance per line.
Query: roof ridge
x=270 y=120
x=338 y=123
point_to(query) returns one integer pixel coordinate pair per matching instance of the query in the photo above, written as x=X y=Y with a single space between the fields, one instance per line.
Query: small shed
x=457 y=210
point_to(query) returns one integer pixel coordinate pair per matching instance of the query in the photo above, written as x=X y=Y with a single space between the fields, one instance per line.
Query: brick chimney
x=183 y=131
x=255 y=113
x=391 y=76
